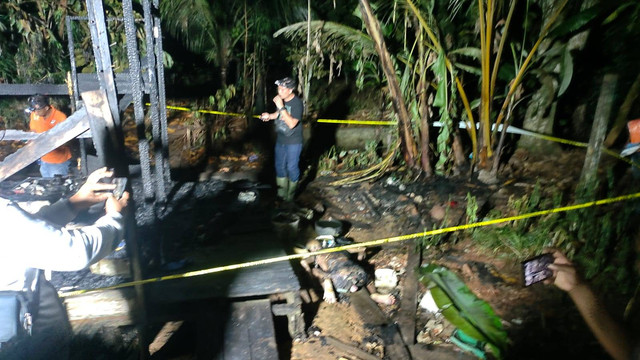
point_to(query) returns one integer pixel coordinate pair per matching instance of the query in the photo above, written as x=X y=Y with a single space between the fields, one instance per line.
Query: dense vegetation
x=537 y=64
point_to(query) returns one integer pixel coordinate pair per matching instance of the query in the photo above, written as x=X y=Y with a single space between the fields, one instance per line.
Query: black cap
x=287 y=82
x=37 y=102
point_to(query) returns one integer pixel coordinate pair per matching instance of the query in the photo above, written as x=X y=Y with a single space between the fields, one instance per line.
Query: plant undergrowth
x=599 y=239
x=335 y=160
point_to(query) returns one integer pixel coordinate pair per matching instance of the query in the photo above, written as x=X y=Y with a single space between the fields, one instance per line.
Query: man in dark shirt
x=288 y=123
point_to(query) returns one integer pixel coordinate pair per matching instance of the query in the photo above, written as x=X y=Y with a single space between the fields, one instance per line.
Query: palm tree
x=209 y=28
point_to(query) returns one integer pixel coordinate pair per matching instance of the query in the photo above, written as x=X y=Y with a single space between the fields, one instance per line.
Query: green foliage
x=596 y=238
x=222 y=97
x=464 y=309
x=13 y=113
x=328 y=161
x=348 y=160
x=442 y=102
x=35 y=35
x=219 y=134
x=472 y=208
x=526 y=237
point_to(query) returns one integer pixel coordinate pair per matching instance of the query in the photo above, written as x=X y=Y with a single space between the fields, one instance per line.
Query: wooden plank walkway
x=249 y=334
x=261 y=280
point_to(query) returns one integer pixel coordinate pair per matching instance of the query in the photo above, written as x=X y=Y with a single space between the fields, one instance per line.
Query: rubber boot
x=291 y=191
x=283 y=187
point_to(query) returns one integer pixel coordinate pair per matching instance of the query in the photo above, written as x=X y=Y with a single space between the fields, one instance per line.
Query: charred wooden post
x=106 y=138
x=102 y=54
x=136 y=89
x=162 y=96
x=109 y=147
x=160 y=143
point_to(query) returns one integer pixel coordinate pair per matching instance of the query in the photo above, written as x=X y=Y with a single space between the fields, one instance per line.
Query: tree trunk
x=539 y=118
x=425 y=112
x=589 y=176
x=460 y=160
x=307 y=78
x=625 y=108
x=404 y=122
x=247 y=98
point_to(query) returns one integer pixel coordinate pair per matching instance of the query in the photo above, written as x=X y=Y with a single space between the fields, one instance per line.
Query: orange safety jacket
x=40 y=124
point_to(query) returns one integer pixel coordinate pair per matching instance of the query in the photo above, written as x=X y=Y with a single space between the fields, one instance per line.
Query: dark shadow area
x=323 y=135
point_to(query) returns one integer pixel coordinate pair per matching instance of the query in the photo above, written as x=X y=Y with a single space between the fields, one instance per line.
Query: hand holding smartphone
x=537 y=269
x=121 y=185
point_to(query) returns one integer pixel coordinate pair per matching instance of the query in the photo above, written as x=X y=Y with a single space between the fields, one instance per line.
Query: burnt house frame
x=98 y=100
x=121 y=90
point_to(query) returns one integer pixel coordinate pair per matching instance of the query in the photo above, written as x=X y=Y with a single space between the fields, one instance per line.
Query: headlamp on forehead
x=287 y=82
x=37 y=102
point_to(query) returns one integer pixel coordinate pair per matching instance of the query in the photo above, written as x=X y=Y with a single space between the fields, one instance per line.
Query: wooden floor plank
x=236 y=336
x=249 y=333
x=409 y=299
x=261 y=280
x=262 y=335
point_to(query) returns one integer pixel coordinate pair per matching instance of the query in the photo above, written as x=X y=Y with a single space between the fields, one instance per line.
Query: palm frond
x=333 y=36
x=190 y=20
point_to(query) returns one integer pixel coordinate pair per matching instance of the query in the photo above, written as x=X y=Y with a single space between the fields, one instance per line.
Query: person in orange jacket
x=43 y=116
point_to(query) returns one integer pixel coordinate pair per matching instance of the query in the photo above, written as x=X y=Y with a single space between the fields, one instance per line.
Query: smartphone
x=537 y=269
x=121 y=185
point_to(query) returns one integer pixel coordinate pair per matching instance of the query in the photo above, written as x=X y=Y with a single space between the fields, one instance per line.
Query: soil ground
x=540 y=320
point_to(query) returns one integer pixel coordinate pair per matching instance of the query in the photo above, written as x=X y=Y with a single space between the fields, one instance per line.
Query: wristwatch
x=282 y=108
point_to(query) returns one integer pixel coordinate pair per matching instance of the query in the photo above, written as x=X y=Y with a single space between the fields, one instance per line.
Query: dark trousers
x=287 y=157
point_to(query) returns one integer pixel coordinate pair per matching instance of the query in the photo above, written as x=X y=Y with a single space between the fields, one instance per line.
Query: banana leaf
x=463 y=309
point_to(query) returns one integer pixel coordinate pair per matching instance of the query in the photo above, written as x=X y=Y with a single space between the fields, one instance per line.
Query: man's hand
x=265 y=116
x=565 y=275
x=114 y=205
x=92 y=192
x=278 y=101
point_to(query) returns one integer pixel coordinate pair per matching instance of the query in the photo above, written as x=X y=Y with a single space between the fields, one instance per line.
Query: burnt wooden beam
x=138 y=103
x=75 y=125
x=108 y=307
x=104 y=132
x=409 y=300
x=31 y=89
x=17 y=135
x=102 y=54
x=350 y=349
x=109 y=145
x=84 y=82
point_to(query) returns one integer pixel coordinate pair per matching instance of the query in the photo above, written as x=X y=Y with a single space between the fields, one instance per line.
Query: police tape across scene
x=360 y=245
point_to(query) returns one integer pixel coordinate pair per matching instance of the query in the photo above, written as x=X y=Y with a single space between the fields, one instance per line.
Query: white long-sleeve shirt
x=29 y=242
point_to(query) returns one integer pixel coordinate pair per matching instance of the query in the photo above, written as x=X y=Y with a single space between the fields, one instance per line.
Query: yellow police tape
x=358 y=245
x=206 y=111
x=357 y=122
x=389 y=123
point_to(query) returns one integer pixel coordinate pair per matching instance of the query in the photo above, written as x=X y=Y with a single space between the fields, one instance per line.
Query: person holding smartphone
x=33 y=320
x=609 y=332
